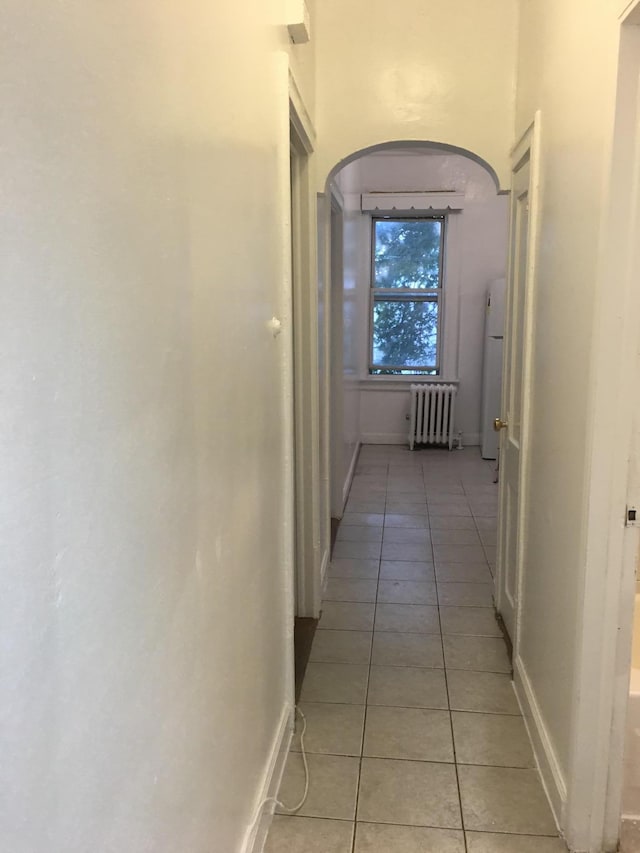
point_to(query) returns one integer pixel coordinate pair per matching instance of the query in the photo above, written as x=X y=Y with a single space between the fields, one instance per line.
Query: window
x=406 y=295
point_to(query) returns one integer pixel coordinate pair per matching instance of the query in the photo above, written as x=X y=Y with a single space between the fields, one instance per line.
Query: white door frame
x=604 y=638
x=527 y=148
x=305 y=361
x=335 y=267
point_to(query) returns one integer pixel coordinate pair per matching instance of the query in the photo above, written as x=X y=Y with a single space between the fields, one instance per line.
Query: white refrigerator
x=492 y=366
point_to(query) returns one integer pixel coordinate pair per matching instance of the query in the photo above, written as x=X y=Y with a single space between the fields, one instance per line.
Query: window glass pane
x=407 y=253
x=405 y=333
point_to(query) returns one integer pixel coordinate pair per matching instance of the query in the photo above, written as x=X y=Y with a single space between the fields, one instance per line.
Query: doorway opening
x=307 y=510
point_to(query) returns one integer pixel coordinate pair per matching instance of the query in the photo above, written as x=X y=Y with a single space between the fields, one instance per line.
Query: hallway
x=414 y=738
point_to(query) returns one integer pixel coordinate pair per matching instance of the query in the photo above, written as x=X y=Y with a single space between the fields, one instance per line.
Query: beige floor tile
x=331 y=729
x=359 y=550
x=406 y=551
x=484 y=510
x=500 y=799
x=291 y=834
x=405 y=520
x=382 y=838
x=355 y=569
x=364 y=484
x=486 y=654
x=411 y=733
x=449 y=510
x=369 y=478
x=438 y=496
x=364 y=467
x=411 y=509
x=446 y=490
x=495 y=739
x=407 y=536
x=407 y=687
x=412 y=793
x=485 y=507
x=485 y=522
x=374 y=505
x=335 y=682
x=473 y=621
x=407 y=618
x=478 y=490
x=459 y=553
x=347 y=616
x=491 y=552
x=463 y=572
x=406 y=505
x=405 y=570
x=333 y=784
x=347 y=589
x=359 y=533
x=455 y=537
x=486 y=692
x=407 y=650
x=455 y=522
x=407 y=592
x=486 y=842
x=367 y=519
x=405 y=487
x=332 y=646
x=465 y=594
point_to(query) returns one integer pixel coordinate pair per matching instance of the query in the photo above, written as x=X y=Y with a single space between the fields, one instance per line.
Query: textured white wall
x=567 y=69
x=145 y=603
x=415 y=71
x=482 y=247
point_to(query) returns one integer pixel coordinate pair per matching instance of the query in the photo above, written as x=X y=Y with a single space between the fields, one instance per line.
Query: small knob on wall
x=275 y=325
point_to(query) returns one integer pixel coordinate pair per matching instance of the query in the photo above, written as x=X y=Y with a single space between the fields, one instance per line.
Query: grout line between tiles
x=366 y=699
x=386 y=500
x=453 y=740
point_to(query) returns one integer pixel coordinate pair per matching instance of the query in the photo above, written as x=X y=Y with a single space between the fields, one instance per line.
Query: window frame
x=408 y=294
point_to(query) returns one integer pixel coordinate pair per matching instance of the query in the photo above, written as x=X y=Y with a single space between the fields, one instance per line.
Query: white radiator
x=432 y=414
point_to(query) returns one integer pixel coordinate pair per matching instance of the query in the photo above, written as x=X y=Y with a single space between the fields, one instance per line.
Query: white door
x=512 y=419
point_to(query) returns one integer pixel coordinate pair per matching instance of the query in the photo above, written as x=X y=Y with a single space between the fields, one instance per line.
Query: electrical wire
x=275 y=800
x=296 y=808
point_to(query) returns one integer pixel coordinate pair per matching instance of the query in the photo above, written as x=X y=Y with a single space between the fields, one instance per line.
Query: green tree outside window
x=407 y=276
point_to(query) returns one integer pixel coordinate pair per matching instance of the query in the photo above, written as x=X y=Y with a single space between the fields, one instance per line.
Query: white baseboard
x=350 y=473
x=385 y=438
x=324 y=572
x=469 y=439
x=256 y=834
x=543 y=749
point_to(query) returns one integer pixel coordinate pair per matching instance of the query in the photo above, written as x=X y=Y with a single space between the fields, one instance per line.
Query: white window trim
x=449 y=300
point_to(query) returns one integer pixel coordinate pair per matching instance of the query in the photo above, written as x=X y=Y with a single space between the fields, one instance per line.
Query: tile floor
x=414 y=738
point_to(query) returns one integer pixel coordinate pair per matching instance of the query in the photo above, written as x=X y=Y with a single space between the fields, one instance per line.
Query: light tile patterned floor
x=414 y=736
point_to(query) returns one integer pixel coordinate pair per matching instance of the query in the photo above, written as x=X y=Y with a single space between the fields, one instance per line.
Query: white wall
x=353 y=323
x=415 y=71
x=567 y=69
x=144 y=427
x=481 y=246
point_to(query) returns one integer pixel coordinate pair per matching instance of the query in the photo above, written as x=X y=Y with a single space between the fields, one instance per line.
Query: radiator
x=432 y=414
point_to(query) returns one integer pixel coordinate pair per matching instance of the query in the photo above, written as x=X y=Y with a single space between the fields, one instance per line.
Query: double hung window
x=406 y=295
